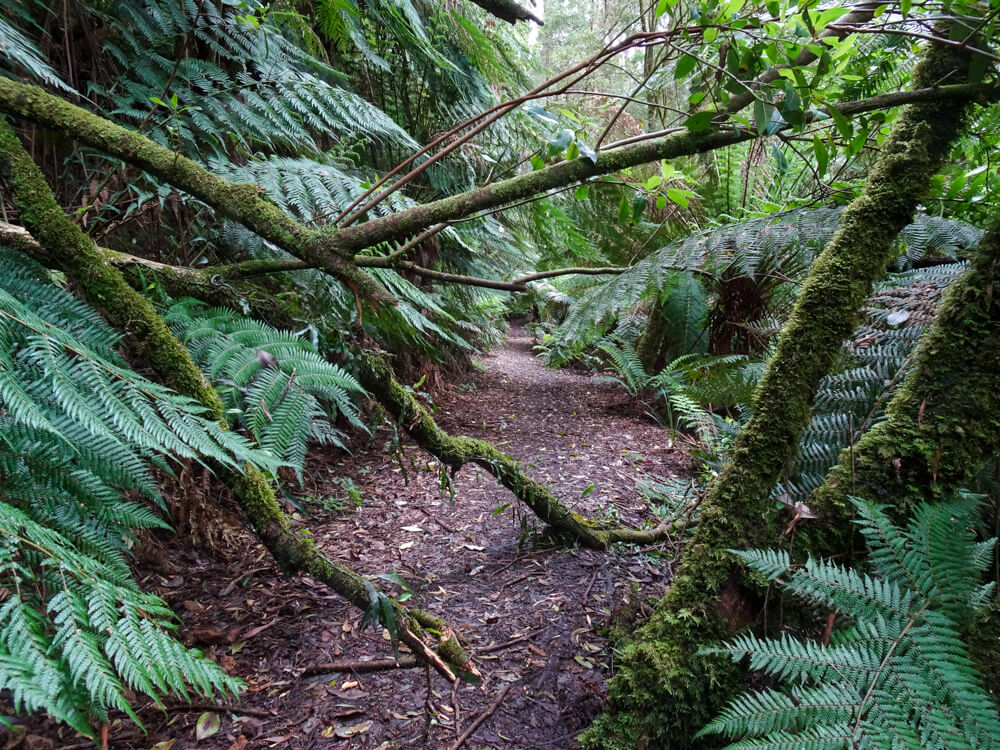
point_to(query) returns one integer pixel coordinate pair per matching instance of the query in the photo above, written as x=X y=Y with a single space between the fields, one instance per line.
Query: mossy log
x=59 y=243
x=663 y=692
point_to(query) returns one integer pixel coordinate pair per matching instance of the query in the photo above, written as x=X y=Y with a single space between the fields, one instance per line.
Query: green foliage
x=259 y=90
x=78 y=430
x=18 y=50
x=767 y=254
x=852 y=399
x=899 y=674
x=670 y=387
x=274 y=383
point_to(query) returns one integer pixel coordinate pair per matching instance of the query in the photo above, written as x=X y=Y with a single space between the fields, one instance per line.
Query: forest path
x=476 y=561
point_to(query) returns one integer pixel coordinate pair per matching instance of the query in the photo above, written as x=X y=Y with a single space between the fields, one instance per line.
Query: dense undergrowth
x=673 y=276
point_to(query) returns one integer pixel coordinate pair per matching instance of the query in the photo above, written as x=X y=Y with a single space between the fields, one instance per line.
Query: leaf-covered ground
x=530 y=612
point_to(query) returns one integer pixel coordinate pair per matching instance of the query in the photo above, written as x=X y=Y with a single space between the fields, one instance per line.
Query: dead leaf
x=208 y=724
x=354 y=730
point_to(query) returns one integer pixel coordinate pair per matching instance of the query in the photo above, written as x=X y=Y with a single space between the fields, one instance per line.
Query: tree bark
x=943 y=424
x=62 y=244
x=664 y=692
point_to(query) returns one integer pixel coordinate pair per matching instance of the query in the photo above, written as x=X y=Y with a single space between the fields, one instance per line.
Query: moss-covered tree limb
x=663 y=691
x=455 y=452
x=242 y=202
x=330 y=249
x=296 y=553
x=943 y=424
x=59 y=243
x=65 y=246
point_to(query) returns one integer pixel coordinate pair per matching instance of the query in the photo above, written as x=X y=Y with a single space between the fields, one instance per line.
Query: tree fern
x=78 y=428
x=773 y=249
x=17 y=50
x=261 y=91
x=898 y=675
x=853 y=397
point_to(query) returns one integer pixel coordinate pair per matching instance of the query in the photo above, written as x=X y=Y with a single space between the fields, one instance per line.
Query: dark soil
x=529 y=611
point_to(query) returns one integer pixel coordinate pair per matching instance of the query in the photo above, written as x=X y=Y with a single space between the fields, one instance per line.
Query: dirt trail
x=477 y=561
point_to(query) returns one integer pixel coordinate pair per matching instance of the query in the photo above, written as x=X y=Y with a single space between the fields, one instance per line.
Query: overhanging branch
x=508 y=10
x=331 y=249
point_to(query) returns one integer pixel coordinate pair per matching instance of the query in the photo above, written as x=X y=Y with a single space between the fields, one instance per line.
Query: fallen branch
x=456 y=452
x=357 y=665
x=482 y=717
x=508 y=10
x=60 y=243
x=506 y=644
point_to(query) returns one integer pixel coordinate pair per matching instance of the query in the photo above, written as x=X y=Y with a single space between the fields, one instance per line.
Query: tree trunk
x=943 y=424
x=664 y=692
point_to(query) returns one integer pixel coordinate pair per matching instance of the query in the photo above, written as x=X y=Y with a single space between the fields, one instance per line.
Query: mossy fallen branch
x=377 y=378
x=663 y=692
x=455 y=452
x=55 y=241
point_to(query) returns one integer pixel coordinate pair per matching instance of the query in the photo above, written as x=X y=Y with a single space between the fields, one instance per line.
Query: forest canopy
x=240 y=238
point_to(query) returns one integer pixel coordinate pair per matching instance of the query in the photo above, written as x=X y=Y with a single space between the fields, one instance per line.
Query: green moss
x=65 y=246
x=663 y=693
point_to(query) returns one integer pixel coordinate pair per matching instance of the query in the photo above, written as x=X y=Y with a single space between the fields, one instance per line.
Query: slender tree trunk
x=664 y=691
x=63 y=245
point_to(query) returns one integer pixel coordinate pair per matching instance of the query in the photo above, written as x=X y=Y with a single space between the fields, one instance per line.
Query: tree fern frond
x=282 y=405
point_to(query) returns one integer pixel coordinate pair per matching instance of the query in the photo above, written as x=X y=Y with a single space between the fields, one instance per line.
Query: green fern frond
x=78 y=428
x=900 y=675
x=281 y=406
x=18 y=50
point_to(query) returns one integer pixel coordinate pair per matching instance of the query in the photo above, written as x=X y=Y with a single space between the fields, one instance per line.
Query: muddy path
x=530 y=612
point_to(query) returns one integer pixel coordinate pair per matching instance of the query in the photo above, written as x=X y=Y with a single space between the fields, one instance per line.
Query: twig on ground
x=482 y=717
x=590 y=585
x=436 y=520
x=520 y=578
x=455 y=708
x=506 y=644
x=357 y=665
